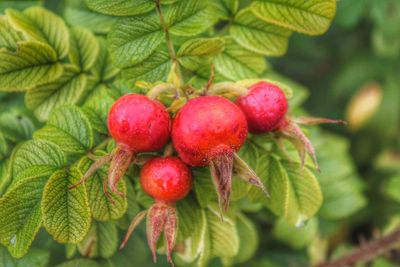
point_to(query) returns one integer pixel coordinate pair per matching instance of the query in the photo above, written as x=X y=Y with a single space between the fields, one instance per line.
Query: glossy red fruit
x=166 y=179
x=139 y=123
x=265 y=107
x=208 y=130
x=207 y=127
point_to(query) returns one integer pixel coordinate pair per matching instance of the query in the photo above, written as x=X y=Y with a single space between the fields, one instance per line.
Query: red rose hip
x=208 y=131
x=265 y=106
x=137 y=124
x=167 y=180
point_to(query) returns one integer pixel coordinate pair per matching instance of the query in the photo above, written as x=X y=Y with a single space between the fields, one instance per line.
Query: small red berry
x=265 y=106
x=141 y=124
x=166 y=179
x=208 y=130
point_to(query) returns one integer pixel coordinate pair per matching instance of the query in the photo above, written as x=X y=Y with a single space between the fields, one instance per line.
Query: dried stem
x=367 y=252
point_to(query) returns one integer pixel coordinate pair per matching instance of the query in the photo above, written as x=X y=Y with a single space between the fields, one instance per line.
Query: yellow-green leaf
x=8 y=36
x=33 y=64
x=66 y=213
x=69 y=128
x=259 y=36
x=20 y=215
x=84 y=48
x=121 y=7
x=41 y=25
x=67 y=90
x=310 y=17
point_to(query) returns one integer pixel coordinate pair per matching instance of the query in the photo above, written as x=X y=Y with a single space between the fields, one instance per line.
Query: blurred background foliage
x=351 y=72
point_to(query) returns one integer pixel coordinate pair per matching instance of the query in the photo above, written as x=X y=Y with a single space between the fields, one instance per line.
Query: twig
x=366 y=252
x=168 y=40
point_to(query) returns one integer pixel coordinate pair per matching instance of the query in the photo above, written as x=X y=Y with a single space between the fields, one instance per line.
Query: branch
x=168 y=40
x=367 y=252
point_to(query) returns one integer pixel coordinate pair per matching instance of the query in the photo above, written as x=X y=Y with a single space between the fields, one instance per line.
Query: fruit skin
x=139 y=123
x=166 y=179
x=207 y=127
x=265 y=107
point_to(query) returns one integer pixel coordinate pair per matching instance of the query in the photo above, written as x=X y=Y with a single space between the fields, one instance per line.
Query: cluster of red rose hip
x=206 y=131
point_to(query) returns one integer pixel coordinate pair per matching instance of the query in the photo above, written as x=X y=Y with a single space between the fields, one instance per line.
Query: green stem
x=169 y=42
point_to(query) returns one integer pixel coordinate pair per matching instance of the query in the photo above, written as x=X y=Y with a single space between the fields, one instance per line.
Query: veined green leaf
x=296 y=237
x=101 y=240
x=84 y=48
x=42 y=25
x=196 y=53
x=69 y=128
x=15 y=125
x=66 y=213
x=259 y=36
x=20 y=215
x=3 y=146
x=190 y=17
x=237 y=63
x=226 y=9
x=36 y=158
x=5 y=175
x=204 y=187
x=97 y=106
x=223 y=234
x=67 y=90
x=154 y=68
x=102 y=209
x=248 y=238
x=310 y=17
x=34 y=258
x=8 y=36
x=33 y=64
x=104 y=69
x=133 y=39
x=121 y=7
x=77 y=13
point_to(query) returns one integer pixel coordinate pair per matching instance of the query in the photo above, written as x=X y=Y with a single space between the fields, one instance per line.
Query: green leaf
x=8 y=36
x=296 y=237
x=3 y=147
x=248 y=238
x=101 y=241
x=15 y=125
x=33 y=64
x=104 y=69
x=190 y=17
x=121 y=7
x=133 y=39
x=77 y=13
x=42 y=25
x=5 y=175
x=196 y=53
x=311 y=17
x=37 y=158
x=66 y=213
x=204 y=187
x=223 y=234
x=84 y=48
x=259 y=36
x=226 y=9
x=237 y=63
x=154 y=68
x=67 y=90
x=392 y=188
x=97 y=106
x=20 y=216
x=79 y=263
x=102 y=209
x=69 y=128
x=34 y=258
